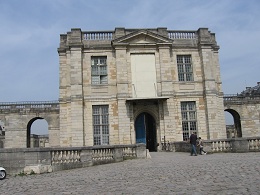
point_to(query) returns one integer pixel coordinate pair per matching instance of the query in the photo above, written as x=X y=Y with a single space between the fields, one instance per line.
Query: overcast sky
x=30 y=30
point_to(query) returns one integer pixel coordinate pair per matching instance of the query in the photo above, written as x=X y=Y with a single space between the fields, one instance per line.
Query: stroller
x=2 y=173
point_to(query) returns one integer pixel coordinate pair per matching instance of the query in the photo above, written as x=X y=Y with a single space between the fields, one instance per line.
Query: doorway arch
x=237 y=123
x=145 y=131
x=29 y=131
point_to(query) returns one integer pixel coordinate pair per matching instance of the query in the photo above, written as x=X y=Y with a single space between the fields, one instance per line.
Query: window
x=185 y=72
x=100 y=125
x=189 y=119
x=99 y=70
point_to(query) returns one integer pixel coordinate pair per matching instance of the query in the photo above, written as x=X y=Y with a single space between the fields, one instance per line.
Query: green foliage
x=24 y=174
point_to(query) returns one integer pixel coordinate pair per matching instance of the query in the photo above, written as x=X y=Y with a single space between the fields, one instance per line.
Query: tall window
x=99 y=70
x=189 y=119
x=100 y=125
x=185 y=72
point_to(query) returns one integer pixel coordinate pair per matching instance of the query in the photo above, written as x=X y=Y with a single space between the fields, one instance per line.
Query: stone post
x=239 y=145
x=118 y=155
x=141 y=151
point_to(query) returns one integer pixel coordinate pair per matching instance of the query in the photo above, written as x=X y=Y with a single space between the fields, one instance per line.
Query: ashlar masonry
x=129 y=86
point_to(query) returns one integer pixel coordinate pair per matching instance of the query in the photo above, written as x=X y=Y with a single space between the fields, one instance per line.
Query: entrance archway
x=237 y=124
x=145 y=128
x=41 y=129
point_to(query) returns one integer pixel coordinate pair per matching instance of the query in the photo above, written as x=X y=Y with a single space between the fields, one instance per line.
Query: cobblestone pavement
x=164 y=173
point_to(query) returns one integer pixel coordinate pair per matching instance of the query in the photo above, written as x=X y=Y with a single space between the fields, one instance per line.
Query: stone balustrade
x=42 y=160
x=254 y=144
x=29 y=105
x=239 y=99
x=109 y=35
x=251 y=144
x=102 y=35
x=182 y=34
x=220 y=146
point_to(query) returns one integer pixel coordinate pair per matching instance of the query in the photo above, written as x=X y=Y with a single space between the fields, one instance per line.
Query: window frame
x=185 y=68
x=100 y=121
x=189 y=119
x=99 y=73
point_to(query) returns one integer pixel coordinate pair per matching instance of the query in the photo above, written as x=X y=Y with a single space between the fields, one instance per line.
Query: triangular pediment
x=142 y=37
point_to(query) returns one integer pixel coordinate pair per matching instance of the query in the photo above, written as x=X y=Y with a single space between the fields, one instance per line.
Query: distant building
x=139 y=86
x=39 y=141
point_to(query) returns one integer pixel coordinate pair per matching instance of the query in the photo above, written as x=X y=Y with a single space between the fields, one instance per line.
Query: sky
x=30 y=33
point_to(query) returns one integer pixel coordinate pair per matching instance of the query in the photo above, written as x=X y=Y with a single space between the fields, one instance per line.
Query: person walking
x=193 y=142
x=200 y=144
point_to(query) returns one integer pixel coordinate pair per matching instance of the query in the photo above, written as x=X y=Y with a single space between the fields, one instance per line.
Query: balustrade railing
x=102 y=35
x=65 y=156
x=221 y=146
x=182 y=34
x=62 y=158
x=98 y=154
x=103 y=154
x=24 y=105
x=240 y=98
x=129 y=152
x=254 y=144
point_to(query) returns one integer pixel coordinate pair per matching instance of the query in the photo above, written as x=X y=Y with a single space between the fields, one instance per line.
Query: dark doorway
x=145 y=128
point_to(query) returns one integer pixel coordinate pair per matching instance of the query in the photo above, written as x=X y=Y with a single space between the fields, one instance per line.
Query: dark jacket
x=193 y=139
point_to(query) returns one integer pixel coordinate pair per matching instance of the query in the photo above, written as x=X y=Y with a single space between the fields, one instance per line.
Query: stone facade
x=142 y=85
x=245 y=109
x=17 y=119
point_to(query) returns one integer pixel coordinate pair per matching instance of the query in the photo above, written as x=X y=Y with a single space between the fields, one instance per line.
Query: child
x=201 y=146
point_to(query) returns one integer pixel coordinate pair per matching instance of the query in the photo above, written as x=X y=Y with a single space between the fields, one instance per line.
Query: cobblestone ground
x=164 y=173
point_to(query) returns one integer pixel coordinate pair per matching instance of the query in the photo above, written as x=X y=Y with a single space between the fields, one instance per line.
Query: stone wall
x=43 y=160
x=251 y=144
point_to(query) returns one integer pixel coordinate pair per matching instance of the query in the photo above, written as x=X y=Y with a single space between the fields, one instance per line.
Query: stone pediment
x=142 y=37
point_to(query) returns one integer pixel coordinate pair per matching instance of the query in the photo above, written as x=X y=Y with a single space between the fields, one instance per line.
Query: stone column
x=122 y=94
x=71 y=90
x=213 y=96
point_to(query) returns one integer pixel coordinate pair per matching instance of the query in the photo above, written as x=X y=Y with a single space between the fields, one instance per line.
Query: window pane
x=192 y=116
x=94 y=70
x=94 y=61
x=180 y=69
x=105 y=140
x=183 y=106
x=193 y=126
x=181 y=77
x=191 y=106
x=103 y=61
x=105 y=119
x=95 y=109
x=96 y=130
x=103 y=79
x=105 y=130
x=186 y=59
x=97 y=140
x=185 y=72
x=103 y=70
x=189 y=77
x=96 y=119
x=179 y=59
x=95 y=79
x=100 y=125
x=99 y=70
x=184 y=116
x=188 y=68
x=189 y=119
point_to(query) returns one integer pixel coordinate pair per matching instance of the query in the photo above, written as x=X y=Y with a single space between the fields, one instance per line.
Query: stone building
x=139 y=86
